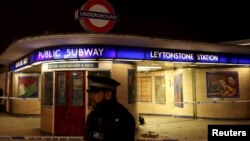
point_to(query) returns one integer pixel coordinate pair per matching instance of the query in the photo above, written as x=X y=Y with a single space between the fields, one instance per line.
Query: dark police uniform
x=109 y=121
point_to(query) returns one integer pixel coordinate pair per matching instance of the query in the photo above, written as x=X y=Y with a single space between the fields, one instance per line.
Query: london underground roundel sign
x=97 y=16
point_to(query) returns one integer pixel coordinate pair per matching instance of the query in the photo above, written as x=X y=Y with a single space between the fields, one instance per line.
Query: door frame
x=68 y=107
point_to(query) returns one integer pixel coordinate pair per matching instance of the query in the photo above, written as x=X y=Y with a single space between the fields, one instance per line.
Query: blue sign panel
x=127 y=52
x=234 y=60
x=130 y=53
x=12 y=67
x=231 y=59
x=32 y=58
x=244 y=60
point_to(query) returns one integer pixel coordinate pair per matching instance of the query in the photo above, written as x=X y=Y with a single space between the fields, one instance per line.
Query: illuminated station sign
x=71 y=52
x=85 y=52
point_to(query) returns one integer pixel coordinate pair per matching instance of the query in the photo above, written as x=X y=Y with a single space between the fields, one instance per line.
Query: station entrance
x=69 y=103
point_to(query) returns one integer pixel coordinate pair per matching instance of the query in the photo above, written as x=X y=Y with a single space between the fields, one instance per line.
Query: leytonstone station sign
x=111 y=52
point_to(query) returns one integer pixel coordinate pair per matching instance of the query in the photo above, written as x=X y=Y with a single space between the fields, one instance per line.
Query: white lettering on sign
x=57 y=53
x=72 y=53
x=22 y=62
x=69 y=53
x=98 y=15
x=84 y=52
x=44 y=54
x=205 y=57
x=171 y=55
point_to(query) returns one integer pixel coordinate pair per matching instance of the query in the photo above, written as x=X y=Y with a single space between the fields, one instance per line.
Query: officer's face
x=100 y=96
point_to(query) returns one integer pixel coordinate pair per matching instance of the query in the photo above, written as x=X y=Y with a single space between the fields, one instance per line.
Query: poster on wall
x=131 y=86
x=160 y=95
x=222 y=84
x=28 y=86
x=178 y=91
x=144 y=89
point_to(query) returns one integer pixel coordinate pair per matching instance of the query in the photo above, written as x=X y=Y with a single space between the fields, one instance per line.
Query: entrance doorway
x=69 y=103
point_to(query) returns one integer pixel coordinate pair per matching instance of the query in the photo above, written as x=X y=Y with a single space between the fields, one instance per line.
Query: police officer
x=109 y=120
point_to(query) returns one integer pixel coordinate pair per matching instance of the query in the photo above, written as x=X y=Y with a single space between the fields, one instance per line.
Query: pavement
x=182 y=128
x=157 y=128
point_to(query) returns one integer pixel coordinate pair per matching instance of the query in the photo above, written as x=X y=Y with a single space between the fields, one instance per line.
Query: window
x=47 y=89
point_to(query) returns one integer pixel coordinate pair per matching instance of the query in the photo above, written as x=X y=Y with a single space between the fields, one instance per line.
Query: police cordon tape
x=217 y=101
x=65 y=138
x=155 y=139
x=19 y=98
x=37 y=138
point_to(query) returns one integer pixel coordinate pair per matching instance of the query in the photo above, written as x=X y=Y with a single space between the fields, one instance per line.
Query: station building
x=47 y=76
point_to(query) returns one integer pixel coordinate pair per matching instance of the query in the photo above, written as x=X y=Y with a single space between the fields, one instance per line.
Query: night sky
x=204 y=22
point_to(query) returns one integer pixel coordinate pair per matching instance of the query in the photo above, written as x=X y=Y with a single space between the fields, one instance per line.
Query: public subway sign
x=120 y=52
x=77 y=52
x=73 y=52
x=97 y=16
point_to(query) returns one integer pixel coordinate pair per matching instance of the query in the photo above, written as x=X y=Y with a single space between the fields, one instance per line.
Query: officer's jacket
x=110 y=122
